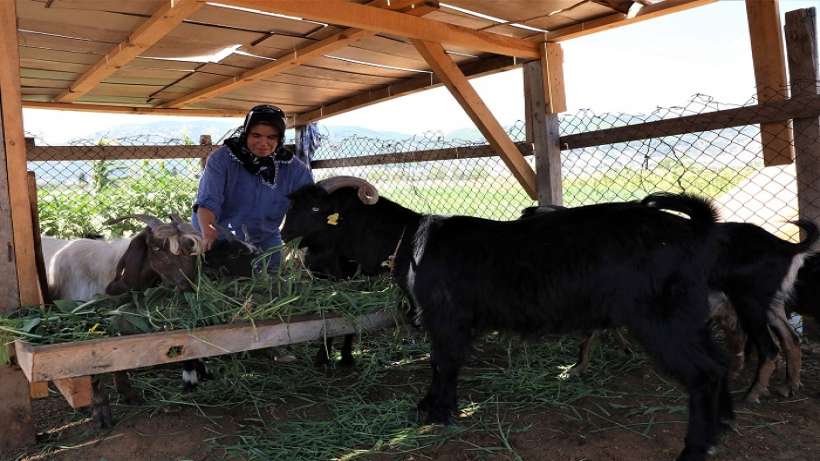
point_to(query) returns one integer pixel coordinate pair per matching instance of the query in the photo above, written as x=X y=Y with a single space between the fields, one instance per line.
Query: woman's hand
x=209 y=236
x=206 y=220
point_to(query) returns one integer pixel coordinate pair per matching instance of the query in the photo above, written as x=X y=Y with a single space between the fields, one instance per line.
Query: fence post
x=801 y=43
x=298 y=133
x=770 y=76
x=204 y=140
x=543 y=99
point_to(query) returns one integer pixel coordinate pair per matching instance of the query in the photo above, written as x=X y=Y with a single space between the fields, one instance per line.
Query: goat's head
x=232 y=256
x=161 y=251
x=316 y=211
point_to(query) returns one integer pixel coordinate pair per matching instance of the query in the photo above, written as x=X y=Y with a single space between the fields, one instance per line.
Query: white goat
x=80 y=269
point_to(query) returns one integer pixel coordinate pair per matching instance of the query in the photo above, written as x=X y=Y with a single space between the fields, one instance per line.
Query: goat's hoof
x=694 y=454
x=187 y=387
x=286 y=358
x=789 y=390
x=438 y=415
x=103 y=417
x=755 y=393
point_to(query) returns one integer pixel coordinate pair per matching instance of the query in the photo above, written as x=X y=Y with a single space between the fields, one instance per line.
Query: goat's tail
x=700 y=210
x=811 y=232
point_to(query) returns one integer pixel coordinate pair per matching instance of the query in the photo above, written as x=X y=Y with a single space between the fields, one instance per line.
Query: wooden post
x=801 y=42
x=77 y=391
x=770 y=76
x=543 y=99
x=204 y=140
x=18 y=275
x=299 y=132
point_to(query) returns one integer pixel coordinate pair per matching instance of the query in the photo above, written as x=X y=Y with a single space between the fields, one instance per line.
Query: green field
x=74 y=210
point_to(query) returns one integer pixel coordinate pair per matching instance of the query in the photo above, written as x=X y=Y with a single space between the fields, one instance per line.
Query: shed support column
x=543 y=100
x=801 y=42
x=18 y=274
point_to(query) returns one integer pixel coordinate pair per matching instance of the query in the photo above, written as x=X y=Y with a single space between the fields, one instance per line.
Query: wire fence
x=432 y=173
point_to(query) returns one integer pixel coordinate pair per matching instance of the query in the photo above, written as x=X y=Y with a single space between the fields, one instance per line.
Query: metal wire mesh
x=453 y=176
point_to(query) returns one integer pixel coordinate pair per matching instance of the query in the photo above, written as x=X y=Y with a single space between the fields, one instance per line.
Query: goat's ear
x=132 y=268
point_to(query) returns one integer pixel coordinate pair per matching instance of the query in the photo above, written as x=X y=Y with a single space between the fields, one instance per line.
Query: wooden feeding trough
x=70 y=365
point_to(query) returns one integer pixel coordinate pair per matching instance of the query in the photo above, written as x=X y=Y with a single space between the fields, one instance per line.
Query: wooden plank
x=552 y=63
x=47 y=153
x=404 y=87
x=147 y=34
x=478 y=112
x=80 y=107
x=381 y=20
x=17 y=429
x=39 y=259
x=70 y=360
x=450 y=153
x=544 y=134
x=612 y=21
x=77 y=391
x=38 y=390
x=15 y=149
x=769 y=61
x=801 y=42
x=297 y=57
x=760 y=113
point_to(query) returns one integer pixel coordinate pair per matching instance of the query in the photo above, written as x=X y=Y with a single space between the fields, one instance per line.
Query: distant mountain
x=171 y=129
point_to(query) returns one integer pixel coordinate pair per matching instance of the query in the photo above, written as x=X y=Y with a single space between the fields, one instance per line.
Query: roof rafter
x=366 y=17
x=301 y=55
x=163 y=21
x=82 y=107
x=479 y=113
x=404 y=87
x=617 y=20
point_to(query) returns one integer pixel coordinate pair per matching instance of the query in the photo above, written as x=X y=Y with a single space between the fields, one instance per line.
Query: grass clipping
x=290 y=291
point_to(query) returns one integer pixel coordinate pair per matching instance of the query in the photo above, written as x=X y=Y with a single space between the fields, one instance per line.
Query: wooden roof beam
x=378 y=20
x=82 y=107
x=163 y=21
x=299 y=56
x=479 y=113
x=403 y=88
x=617 y=20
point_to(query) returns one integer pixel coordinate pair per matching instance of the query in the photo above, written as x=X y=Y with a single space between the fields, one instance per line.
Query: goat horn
x=368 y=193
x=150 y=221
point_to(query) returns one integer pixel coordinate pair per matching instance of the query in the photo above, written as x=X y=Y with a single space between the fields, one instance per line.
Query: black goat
x=757 y=272
x=590 y=267
x=753 y=276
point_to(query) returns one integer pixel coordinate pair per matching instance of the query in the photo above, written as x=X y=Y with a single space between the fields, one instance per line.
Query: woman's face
x=262 y=140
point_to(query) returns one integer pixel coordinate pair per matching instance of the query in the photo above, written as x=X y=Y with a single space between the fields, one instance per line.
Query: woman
x=246 y=182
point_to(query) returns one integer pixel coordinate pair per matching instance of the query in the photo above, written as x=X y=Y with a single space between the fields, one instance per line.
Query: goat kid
x=590 y=267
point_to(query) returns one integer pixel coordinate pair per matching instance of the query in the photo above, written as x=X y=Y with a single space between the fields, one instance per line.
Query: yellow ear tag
x=333 y=219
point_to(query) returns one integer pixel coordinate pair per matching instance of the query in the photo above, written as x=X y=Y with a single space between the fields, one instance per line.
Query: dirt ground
x=639 y=416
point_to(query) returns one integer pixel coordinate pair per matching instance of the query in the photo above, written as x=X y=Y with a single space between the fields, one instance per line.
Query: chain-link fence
x=436 y=174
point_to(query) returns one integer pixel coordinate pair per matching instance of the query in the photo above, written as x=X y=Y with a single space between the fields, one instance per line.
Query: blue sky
x=636 y=68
